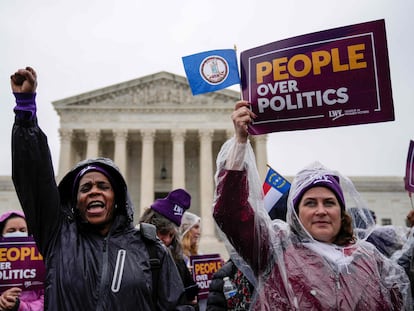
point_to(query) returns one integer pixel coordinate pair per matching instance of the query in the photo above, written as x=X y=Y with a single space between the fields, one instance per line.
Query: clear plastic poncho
x=289 y=268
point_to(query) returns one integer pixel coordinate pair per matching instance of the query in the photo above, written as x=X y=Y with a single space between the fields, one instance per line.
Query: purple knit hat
x=6 y=216
x=328 y=181
x=9 y=214
x=173 y=205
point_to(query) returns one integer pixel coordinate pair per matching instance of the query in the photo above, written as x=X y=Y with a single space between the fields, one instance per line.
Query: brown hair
x=346 y=233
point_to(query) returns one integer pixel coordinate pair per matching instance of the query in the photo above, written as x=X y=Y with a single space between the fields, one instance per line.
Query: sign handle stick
x=241 y=93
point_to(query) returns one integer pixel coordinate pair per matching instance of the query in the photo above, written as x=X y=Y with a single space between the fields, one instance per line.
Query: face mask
x=15 y=234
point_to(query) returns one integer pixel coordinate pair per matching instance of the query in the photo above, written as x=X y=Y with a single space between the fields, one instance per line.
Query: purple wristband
x=25 y=108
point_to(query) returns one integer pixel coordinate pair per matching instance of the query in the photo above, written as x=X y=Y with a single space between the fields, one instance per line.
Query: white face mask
x=15 y=234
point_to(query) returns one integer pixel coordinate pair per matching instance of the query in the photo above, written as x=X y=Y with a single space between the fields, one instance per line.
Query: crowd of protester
x=320 y=249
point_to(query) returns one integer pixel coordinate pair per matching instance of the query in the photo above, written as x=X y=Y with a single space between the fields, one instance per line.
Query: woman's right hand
x=24 y=81
x=242 y=116
x=9 y=297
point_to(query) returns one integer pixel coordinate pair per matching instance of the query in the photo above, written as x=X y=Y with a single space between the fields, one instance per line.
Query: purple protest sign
x=204 y=266
x=21 y=264
x=325 y=79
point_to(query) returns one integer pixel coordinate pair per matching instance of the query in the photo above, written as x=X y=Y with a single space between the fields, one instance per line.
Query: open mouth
x=95 y=207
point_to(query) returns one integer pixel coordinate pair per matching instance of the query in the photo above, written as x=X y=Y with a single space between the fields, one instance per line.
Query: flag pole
x=409 y=172
x=240 y=87
x=241 y=93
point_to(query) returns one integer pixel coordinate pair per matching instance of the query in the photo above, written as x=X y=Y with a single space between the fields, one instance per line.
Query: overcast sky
x=77 y=46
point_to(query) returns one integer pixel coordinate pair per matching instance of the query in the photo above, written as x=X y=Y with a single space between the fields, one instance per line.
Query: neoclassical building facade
x=160 y=136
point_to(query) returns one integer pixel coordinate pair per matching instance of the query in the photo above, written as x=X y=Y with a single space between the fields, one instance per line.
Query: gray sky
x=77 y=46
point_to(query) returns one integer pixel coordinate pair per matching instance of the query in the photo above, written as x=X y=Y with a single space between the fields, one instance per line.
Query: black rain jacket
x=85 y=271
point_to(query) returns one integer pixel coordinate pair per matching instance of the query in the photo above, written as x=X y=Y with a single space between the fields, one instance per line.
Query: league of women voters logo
x=214 y=69
x=323 y=179
x=178 y=210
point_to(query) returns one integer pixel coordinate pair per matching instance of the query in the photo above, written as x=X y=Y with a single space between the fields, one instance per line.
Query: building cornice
x=362 y=183
x=375 y=183
x=162 y=91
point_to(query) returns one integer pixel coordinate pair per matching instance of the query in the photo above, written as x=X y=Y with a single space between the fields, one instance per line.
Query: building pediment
x=163 y=90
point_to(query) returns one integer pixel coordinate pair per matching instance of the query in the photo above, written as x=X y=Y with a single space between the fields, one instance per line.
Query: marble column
x=92 y=149
x=261 y=155
x=65 y=159
x=206 y=182
x=120 y=152
x=178 y=158
x=229 y=133
x=147 y=169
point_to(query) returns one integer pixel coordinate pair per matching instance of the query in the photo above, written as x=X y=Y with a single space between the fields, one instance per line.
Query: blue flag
x=274 y=186
x=211 y=71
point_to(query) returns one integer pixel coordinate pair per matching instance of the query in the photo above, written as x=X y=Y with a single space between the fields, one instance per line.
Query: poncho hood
x=68 y=193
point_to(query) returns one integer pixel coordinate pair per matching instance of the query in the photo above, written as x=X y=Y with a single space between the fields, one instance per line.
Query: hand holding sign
x=20 y=264
x=242 y=117
x=330 y=78
x=204 y=266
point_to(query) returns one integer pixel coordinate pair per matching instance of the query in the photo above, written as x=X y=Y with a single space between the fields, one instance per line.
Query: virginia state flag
x=409 y=171
x=211 y=71
x=274 y=186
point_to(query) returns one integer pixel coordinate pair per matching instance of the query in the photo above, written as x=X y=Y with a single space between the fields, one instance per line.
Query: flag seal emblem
x=214 y=69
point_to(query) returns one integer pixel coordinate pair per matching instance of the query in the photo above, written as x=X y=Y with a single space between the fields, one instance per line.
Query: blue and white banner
x=274 y=186
x=211 y=71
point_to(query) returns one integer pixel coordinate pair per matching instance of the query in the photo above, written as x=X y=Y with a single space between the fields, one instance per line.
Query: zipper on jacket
x=104 y=245
x=104 y=274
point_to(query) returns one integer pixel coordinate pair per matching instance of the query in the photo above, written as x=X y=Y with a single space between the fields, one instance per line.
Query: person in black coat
x=95 y=259
x=166 y=214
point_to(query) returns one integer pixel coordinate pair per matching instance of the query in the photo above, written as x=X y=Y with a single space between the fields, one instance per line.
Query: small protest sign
x=21 y=264
x=204 y=266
